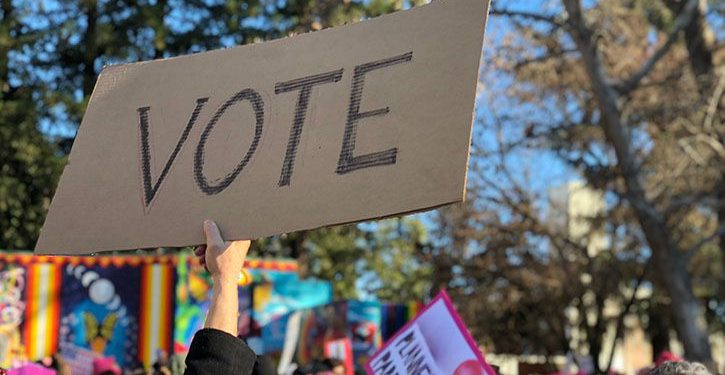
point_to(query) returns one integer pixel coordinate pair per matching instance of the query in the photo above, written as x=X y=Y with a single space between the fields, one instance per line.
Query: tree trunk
x=160 y=30
x=687 y=311
x=298 y=251
x=721 y=201
x=599 y=329
x=700 y=43
x=658 y=327
x=667 y=259
x=91 y=47
x=6 y=24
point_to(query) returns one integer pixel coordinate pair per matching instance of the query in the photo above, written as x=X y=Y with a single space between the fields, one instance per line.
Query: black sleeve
x=264 y=366
x=216 y=352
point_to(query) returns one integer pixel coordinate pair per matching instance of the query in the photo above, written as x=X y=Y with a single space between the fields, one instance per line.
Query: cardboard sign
x=346 y=124
x=435 y=342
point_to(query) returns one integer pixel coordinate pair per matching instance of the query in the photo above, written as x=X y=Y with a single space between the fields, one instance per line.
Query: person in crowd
x=56 y=363
x=680 y=368
x=137 y=368
x=327 y=366
x=31 y=369
x=667 y=356
x=106 y=366
x=216 y=349
x=177 y=363
x=336 y=366
x=161 y=366
x=137 y=371
x=60 y=365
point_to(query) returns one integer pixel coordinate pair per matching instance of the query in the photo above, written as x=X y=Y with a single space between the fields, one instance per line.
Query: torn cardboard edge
x=97 y=207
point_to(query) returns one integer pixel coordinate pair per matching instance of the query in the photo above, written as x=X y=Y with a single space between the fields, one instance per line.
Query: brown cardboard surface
x=386 y=130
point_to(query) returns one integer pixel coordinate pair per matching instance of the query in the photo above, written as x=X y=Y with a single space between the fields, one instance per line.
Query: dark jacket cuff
x=216 y=352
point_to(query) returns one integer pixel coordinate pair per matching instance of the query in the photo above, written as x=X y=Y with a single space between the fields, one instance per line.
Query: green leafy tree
x=379 y=259
x=29 y=163
x=64 y=46
x=393 y=267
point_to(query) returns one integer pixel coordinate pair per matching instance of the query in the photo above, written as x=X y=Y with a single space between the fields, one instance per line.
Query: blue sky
x=539 y=169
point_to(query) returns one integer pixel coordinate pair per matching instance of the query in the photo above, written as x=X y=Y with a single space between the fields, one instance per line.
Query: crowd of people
x=216 y=349
x=56 y=365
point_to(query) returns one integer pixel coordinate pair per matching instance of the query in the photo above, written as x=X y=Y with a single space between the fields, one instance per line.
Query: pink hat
x=101 y=365
x=667 y=356
x=31 y=369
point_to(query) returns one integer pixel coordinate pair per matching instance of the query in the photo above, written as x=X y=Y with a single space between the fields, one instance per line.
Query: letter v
x=150 y=188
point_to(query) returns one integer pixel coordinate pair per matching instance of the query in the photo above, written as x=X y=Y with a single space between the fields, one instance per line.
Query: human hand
x=223 y=259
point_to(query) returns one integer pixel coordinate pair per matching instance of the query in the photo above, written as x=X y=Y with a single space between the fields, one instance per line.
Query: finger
x=213 y=237
x=200 y=250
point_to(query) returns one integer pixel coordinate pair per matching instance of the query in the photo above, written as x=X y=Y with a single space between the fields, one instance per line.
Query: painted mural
x=320 y=326
x=137 y=308
x=364 y=319
x=100 y=311
x=12 y=309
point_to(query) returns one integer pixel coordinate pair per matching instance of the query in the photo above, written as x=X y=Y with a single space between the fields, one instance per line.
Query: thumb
x=213 y=237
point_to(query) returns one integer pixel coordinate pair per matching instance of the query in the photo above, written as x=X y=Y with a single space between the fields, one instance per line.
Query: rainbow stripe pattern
x=157 y=303
x=42 y=310
x=39 y=333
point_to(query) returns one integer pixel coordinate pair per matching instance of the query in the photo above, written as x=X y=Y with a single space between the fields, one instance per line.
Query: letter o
x=258 y=106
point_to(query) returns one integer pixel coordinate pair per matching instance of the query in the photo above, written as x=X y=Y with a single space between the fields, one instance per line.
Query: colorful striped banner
x=42 y=310
x=413 y=308
x=25 y=258
x=157 y=303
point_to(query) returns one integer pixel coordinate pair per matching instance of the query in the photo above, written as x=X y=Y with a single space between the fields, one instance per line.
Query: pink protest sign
x=435 y=342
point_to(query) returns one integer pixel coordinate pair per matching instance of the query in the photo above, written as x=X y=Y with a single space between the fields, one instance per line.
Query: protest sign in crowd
x=348 y=124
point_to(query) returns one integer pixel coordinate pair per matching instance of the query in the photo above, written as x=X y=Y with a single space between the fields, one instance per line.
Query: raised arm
x=216 y=348
x=224 y=260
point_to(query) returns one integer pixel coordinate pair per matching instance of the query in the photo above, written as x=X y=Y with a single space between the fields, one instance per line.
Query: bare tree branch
x=665 y=252
x=623 y=314
x=522 y=63
x=552 y=20
x=715 y=100
x=682 y=20
x=616 y=131
x=715 y=234
x=685 y=201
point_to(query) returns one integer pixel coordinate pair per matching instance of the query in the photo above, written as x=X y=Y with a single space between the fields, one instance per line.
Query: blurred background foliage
x=617 y=101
